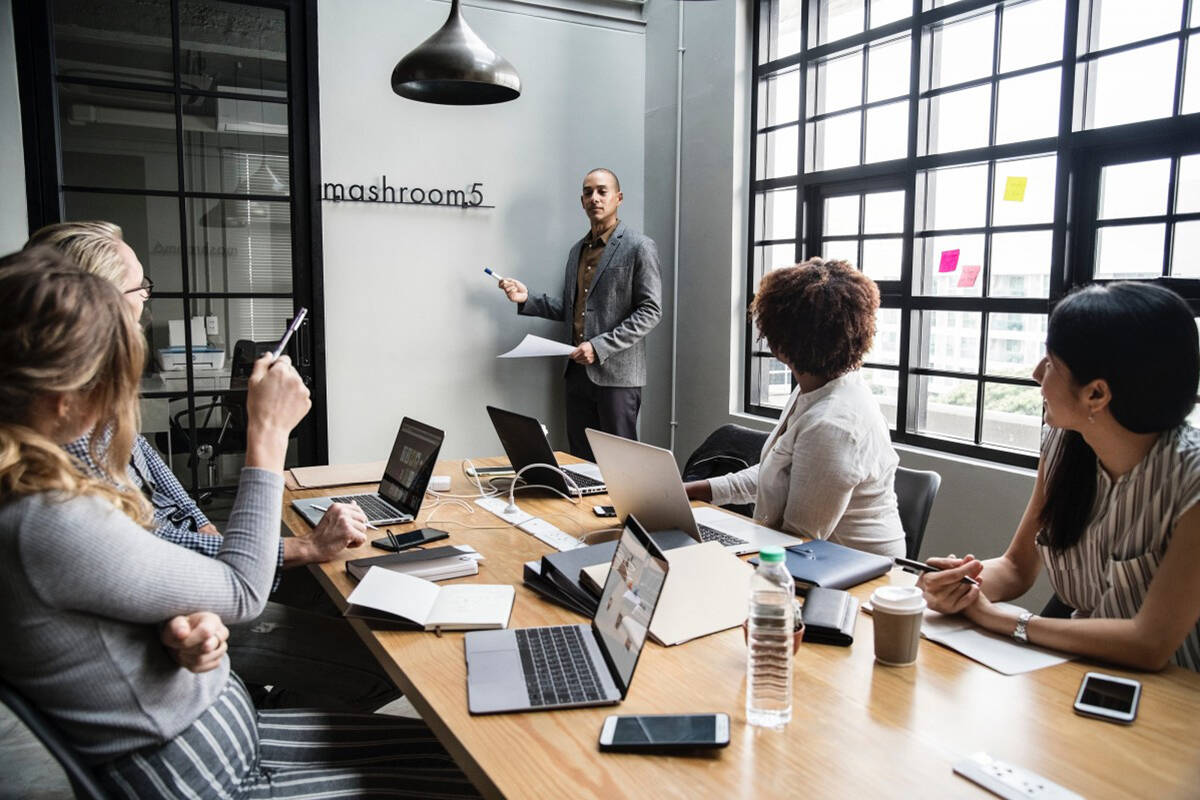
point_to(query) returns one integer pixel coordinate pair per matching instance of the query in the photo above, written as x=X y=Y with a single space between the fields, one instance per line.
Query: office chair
x=727 y=449
x=83 y=781
x=915 y=491
x=228 y=433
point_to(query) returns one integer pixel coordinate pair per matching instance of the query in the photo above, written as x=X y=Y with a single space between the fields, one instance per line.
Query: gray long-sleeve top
x=83 y=593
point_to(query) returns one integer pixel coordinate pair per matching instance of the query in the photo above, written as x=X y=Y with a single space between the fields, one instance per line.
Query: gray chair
x=83 y=780
x=915 y=491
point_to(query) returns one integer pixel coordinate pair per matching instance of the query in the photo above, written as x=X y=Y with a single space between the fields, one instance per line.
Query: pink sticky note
x=949 y=261
x=970 y=272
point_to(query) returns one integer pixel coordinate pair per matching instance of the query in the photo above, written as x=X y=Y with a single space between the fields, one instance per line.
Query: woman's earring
x=1091 y=417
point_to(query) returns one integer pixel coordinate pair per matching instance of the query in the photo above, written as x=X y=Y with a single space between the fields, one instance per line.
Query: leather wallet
x=829 y=616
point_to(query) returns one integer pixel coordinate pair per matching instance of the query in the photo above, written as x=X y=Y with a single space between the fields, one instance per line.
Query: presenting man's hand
x=584 y=354
x=514 y=290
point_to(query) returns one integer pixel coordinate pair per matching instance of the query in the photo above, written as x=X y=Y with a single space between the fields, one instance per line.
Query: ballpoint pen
x=909 y=565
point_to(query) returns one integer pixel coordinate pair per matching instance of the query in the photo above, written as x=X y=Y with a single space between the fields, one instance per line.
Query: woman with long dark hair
x=1115 y=511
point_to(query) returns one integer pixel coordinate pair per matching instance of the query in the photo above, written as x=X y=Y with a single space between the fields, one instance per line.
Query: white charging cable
x=512 y=505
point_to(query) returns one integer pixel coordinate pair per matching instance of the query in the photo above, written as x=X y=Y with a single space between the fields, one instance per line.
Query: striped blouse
x=1108 y=572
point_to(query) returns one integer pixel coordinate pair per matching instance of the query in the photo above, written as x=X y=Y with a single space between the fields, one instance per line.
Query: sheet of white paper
x=1001 y=653
x=473 y=605
x=535 y=346
x=395 y=593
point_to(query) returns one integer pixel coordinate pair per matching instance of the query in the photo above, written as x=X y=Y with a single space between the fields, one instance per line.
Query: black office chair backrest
x=915 y=491
x=729 y=448
x=83 y=781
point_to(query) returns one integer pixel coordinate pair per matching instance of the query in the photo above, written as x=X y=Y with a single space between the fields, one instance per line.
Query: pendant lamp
x=455 y=67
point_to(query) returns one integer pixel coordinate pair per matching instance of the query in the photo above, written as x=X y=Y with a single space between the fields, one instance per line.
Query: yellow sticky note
x=1014 y=188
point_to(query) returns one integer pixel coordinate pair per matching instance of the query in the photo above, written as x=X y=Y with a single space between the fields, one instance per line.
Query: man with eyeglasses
x=301 y=647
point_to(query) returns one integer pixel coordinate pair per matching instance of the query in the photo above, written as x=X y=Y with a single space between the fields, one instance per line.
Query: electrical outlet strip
x=497 y=506
x=1010 y=782
x=545 y=532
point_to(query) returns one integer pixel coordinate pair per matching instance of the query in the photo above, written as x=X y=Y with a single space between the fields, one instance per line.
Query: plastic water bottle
x=769 y=640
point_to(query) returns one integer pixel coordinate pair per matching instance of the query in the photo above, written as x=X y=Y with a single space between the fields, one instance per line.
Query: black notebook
x=560 y=571
x=831 y=566
x=829 y=616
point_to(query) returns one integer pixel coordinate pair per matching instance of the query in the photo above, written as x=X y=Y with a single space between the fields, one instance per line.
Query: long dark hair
x=1141 y=339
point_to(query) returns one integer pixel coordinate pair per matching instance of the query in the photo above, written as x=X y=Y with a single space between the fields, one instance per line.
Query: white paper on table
x=535 y=346
x=1001 y=653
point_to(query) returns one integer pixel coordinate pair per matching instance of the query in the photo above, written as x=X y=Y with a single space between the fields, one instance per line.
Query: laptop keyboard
x=557 y=667
x=372 y=506
x=708 y=534
x=583 y=481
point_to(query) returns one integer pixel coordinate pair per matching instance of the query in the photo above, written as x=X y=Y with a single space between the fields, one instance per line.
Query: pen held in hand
x=488 y=270
x=278 y=351
x=910 y=565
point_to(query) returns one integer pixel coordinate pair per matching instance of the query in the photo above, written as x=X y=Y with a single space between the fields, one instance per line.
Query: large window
x=977 y=160
x=187 y=123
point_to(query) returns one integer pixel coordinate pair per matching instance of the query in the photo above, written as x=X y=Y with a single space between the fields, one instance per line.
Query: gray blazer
x=624 y=305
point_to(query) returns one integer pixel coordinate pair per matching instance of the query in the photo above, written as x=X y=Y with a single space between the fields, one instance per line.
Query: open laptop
x=563 y=666
x=525 y=443
x=403 y=486
x=644 y=481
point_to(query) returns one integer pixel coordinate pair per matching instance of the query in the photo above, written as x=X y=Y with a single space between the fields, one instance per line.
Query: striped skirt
x=233 y=751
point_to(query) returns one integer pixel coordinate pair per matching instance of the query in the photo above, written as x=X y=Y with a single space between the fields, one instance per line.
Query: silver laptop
x=563 y=666
x=525 y=443
x=644 y=481
x=402 y=489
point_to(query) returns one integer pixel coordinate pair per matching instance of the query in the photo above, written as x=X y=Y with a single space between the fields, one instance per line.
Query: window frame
x=1081 y=154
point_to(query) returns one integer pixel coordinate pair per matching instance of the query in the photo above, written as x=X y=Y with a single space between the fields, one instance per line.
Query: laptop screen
x=411 y=465
x=525 y=443
x=631 y=591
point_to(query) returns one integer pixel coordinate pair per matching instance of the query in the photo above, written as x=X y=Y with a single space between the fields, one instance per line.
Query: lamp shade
x=455 y=67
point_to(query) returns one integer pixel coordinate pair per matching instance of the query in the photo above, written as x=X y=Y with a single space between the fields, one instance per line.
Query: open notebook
x=404 y=601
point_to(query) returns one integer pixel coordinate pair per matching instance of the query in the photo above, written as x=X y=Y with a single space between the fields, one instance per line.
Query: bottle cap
x=771 y=555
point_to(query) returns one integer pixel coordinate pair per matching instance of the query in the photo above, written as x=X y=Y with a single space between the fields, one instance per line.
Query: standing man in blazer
x=611 y=298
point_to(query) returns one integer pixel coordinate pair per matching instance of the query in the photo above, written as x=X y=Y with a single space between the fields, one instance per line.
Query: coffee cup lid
x=899 y=599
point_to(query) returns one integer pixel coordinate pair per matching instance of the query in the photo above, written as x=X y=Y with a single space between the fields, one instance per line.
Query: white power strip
x=498 y=506
x=540 y=529
x=545 y=532
x=1010 y=782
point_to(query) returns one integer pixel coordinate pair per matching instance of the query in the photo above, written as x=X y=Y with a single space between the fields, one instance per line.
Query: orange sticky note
x=1014 y=188
x=969 y=274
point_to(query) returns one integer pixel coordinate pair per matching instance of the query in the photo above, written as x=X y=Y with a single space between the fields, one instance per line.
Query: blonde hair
x=63 y=330
x=91 y=245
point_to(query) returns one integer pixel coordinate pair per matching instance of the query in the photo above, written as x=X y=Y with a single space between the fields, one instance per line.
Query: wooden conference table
x=857 y=729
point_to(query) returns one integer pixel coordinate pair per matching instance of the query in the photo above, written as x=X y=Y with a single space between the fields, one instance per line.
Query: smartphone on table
x=656 y=733
x=1108 y=697
x=403 y=541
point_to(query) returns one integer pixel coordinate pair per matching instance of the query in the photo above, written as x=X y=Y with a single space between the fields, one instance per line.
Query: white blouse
x=827 y=471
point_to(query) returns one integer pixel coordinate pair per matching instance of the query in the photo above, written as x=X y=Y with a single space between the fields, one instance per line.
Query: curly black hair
x=818 y=316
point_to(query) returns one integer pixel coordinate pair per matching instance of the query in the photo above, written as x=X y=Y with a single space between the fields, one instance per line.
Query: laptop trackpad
x=496 y=682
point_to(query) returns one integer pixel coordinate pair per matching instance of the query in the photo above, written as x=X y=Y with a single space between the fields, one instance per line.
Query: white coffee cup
x=897 y=613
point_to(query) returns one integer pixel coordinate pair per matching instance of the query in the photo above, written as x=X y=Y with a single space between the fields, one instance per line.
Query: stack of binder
x=557 y=577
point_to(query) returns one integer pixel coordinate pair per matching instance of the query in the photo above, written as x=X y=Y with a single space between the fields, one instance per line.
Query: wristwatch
x=1022 y=621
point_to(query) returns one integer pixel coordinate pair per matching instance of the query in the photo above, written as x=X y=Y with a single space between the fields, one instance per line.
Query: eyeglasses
x=146 y=286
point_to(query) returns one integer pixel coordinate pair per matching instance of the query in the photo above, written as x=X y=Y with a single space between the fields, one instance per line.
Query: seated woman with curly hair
x=827 y=470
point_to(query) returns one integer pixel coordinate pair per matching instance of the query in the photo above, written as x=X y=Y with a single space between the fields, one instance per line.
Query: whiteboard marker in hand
x=488 y=270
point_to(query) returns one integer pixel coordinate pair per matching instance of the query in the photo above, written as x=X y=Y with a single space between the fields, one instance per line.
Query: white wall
x=979 y=504
x=14 y=217
x=413 y=325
